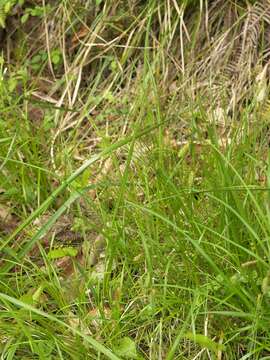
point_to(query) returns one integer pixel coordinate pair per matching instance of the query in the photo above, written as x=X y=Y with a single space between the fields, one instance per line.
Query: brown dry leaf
x=73 y=321
x=261 y=82
x=35 y=115
x=82 y=33
x=77 y=324
x=8 y=223
x=97 y=316
x=66 y=265
x=96 y=312
x=5 y=213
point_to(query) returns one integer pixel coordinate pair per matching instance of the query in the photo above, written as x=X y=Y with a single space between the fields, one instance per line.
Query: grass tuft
x=134 y=180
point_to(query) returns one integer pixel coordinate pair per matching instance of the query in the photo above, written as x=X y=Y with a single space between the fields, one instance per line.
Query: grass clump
x=134 y=181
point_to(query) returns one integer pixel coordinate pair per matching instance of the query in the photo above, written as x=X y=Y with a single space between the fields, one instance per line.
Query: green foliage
x=62 y=252
x=126 y=349
x=36 y=11
x=205 y=342
x=38 y=60
x=6 y=7
x=134 y=181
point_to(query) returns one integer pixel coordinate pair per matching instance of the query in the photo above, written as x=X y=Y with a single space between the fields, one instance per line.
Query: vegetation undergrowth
x=134 y=179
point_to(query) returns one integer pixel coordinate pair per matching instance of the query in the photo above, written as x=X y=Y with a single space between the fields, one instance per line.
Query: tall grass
x=134 y=183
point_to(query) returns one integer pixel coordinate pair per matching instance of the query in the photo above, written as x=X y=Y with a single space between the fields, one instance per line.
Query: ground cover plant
x=134 y=179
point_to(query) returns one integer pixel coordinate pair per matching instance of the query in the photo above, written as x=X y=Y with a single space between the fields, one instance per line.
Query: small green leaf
x=36 y=11
x=32 y=296
x=37 y=294
x=62 y=252
x=98 y=2
x=27 y=298
x=2 y=20
x=55 y=59
x=184 y=150
x=109 y=96
x=12 y=83
x=24 y=18
x=113 y=65
x=126 y=349
x=36 y=59
x=7 y=7
x=205 y=342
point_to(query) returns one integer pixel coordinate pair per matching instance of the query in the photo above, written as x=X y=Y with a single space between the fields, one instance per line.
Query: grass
x=134 y=181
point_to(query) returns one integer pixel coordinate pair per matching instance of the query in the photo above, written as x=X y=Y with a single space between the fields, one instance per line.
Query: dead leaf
x=8 y=222
x=80 y=34
x=97 y=316
x=5 y=213
x=261 y=82
x=35 y=115
x=65 y=264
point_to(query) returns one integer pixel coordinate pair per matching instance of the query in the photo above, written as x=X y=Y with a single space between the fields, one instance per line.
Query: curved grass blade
x=44 y=229
x=95 y=344
x=106 y=152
